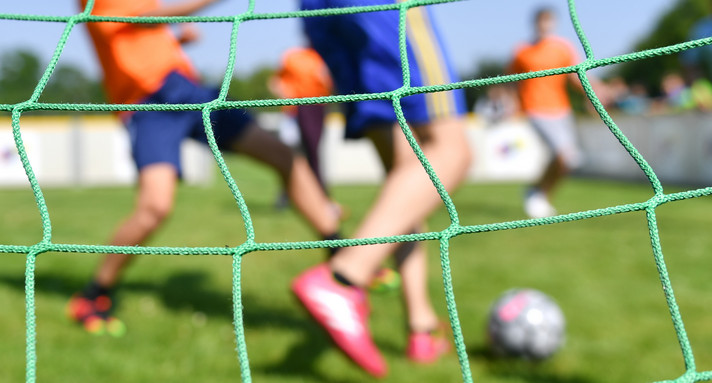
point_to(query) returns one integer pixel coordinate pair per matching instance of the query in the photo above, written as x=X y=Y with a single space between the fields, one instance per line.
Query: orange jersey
x=544 y=95
x=303 y=74
x=136 y=58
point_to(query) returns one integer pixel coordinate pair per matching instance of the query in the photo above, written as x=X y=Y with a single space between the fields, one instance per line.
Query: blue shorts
x=156 y=135
x=363 y=55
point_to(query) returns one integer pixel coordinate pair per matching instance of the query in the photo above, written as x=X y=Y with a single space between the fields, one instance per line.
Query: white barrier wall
x=678 y=147
x=94 y=150
x=85 y=150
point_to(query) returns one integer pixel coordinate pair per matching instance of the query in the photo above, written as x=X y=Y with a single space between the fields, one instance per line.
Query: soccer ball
x=526 y=323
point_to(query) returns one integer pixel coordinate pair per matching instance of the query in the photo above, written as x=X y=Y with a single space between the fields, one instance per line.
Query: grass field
x=178 y=308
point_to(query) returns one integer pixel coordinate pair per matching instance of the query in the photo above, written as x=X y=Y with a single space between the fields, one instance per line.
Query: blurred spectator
x=701 y=90
x=698 y=66
x=629 y=100
x=698 y=61
x=639 y=99
x=676 y=95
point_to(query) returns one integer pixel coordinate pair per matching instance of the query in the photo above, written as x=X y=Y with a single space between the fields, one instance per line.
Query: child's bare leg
x=407 y=196
x=300 y=182
x=553 y=174
x=412 y=265
x=154 y=202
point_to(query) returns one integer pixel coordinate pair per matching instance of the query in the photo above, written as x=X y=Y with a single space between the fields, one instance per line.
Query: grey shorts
x=559 y=135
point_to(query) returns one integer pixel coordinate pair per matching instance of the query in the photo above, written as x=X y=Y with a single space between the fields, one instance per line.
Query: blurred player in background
x=362 y=52
x=304 y=74
x=144 y=63
x=546 y=103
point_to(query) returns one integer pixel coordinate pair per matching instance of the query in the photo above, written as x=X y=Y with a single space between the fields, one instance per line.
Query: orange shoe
x=94 y=315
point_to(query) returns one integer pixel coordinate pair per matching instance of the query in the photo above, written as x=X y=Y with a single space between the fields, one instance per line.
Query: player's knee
x=154 y=213
x=161 y=211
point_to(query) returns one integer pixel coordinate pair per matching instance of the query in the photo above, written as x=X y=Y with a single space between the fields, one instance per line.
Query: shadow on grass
x=301 y=359
x=528 y=371
x=187 y=290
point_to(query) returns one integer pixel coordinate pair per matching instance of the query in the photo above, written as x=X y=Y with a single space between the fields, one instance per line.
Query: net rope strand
x=251 y=246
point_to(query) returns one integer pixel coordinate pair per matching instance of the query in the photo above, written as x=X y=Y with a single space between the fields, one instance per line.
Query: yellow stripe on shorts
x=428 y=55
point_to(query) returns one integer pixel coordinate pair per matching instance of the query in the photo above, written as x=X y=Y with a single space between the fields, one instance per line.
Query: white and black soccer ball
x=526 y=323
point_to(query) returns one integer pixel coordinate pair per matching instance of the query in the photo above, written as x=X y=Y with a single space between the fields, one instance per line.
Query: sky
x=472 y=31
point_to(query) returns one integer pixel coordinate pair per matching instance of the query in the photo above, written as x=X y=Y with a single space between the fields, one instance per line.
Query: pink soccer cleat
x=343 y=312
x=427 y=347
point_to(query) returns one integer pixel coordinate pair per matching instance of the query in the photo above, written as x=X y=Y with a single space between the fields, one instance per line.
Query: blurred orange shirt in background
x=136 y=58
x=544 y=95
x=303 y=73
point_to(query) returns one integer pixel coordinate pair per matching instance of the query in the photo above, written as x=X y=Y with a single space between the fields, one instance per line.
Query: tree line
x=673 y=27
x=20 y=70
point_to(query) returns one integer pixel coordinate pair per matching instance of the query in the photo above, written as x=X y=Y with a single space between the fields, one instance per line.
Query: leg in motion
x=408 y=195
x=427 y=340
x=310 y=119
x=559 y=136
x=361 y=61
x=93 y=306
x=300 y=182
x=333 y=292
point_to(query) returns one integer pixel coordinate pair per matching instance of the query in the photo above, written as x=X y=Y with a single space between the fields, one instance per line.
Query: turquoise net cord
x=250 y=245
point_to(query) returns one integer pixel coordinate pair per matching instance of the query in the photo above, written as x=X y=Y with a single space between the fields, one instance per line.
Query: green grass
x=178 y=308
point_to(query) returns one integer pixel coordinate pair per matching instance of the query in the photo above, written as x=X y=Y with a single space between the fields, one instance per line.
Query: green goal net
x=250 y=245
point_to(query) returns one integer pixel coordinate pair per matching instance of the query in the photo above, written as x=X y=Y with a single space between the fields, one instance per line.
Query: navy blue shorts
x=156 y=135
x=363 y=55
